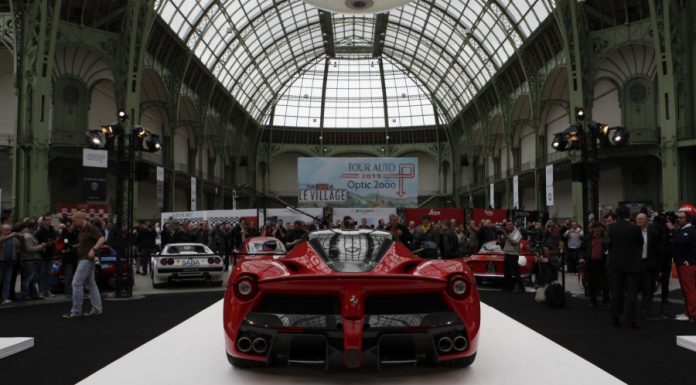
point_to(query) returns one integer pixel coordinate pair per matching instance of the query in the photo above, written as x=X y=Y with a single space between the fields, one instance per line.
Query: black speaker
x=577 y=172
x=142 y=171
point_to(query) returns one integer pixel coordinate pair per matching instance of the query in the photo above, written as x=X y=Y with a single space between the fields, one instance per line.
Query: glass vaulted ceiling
x=257 y=48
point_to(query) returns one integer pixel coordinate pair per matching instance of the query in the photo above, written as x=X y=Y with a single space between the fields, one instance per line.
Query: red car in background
x=351 y=298
x=489 y=262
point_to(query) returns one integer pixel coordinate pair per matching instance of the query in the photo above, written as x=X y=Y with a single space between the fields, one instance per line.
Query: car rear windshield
x=187 y=249
x=349 y=251
x=257 y=247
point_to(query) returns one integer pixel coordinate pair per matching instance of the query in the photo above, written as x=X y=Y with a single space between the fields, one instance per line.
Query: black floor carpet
x=648 y=355
x=68 y=350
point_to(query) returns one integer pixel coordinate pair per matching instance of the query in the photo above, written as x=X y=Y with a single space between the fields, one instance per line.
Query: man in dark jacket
x=9 y=250
x=651 y=258
x=46 y=234
x=239 y=234
x=625 y=245
x=487 y=232
x=684 y=253
x=147 y=244
x=295 y=236
x=69 y=255
x=450 y=242
x=400 y=231
x=427 y=237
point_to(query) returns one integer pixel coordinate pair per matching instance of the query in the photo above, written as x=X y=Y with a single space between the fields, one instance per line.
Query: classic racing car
x=351 y=298
x=261 y=248
x=489 y=262
x=186 y=261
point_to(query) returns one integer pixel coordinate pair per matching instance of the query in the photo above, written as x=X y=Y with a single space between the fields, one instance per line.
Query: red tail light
x=245 y=288
x=458 y=287
x=211 y=260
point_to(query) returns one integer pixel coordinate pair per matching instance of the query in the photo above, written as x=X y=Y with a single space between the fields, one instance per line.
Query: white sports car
x=186 y=261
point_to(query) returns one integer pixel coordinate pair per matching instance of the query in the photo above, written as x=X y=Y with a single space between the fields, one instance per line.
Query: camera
x=664 y=217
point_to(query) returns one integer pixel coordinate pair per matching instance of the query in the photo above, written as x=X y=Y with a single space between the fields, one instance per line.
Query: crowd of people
x=29 y=247
x=618 y=259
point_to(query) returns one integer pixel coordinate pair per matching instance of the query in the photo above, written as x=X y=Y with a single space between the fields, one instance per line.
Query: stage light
x=620 y=137
x=579 y=113
x=560 y=141
x=112 y=130
x=152 y=143
x=140 y=131
x=95 y=139
x=121 y=115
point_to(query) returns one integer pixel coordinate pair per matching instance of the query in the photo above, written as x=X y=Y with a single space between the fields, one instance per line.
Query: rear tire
x=459 y=362
x=158 y=285
x=244 y=364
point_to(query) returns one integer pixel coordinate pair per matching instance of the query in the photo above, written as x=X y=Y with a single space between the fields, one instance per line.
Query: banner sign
x=94 y=172
x=444 y=214
x=193 y=194
x=94 y=211
x=213 y=217
x=357 y=182
x=495 y=215
x=516 y=192
x=160 y=187
x=95 y=158
x=371 y=215
x=549 y=185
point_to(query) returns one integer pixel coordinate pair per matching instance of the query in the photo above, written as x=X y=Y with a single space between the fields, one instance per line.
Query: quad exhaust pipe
x=459 y=343
x=260 y=345
x=444 y=344
x=244 y=344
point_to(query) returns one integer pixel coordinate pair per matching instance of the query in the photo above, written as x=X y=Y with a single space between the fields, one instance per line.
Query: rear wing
x=185 y=255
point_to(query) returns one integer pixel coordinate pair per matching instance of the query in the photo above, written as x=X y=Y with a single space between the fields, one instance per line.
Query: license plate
x=190 y=262
x=491 y=268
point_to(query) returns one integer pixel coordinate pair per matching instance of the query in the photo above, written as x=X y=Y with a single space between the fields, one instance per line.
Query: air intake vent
x=406 y=304
x=294 y=304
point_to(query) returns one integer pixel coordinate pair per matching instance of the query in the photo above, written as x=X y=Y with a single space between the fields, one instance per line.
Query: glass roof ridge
x=258 y=49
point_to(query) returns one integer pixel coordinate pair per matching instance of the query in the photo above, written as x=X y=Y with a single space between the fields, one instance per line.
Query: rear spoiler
x=190 y=255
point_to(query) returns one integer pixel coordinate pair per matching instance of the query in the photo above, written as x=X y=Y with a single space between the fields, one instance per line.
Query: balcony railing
x=686 y=133
x=526 y=166
x=644 y=136
x=152 y=157
x=181 y=167
x=557 y=155
x=7 y=140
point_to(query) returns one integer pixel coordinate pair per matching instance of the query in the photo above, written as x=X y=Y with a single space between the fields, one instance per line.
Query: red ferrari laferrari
x=351 y=298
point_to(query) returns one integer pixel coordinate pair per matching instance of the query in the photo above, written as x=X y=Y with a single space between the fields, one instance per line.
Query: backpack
x=555 y=295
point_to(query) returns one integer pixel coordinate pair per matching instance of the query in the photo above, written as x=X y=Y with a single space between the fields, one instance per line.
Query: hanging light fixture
x=357 y=6
x=620 y=138
x=95 y=139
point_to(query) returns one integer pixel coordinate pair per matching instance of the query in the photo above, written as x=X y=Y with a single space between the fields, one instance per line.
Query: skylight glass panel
x=258 y=48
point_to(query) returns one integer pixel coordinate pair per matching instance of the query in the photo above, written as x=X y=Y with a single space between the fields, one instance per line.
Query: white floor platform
x=193 y=353
x=13 y=345
x=687 y=342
